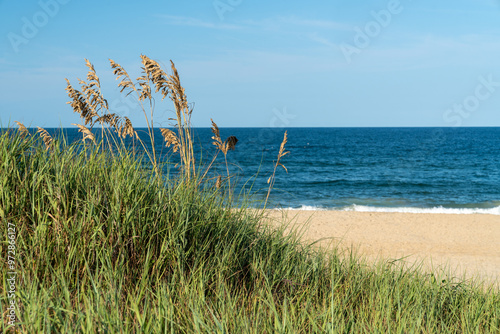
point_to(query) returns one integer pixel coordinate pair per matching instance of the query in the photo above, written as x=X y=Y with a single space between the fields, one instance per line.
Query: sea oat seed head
x=87 y=134
x=47 y=139
x=22 y=129
x=231 y=142
x=171 y=138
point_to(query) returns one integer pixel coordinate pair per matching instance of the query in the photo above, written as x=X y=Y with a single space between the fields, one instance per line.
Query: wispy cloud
x=194 y=22
x=323 y=24
x=271 y=23
x=260 y=66
x=321 y=40
x=312 y=30
x=281 y=22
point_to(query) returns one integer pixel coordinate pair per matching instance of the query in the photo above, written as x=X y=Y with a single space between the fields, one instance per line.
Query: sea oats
x=105 y=119
x=156 y=75
x=47 y=139
x=281 y=154
x=144 y=90
x=125 y=83
x=228 y=144
x=216 y=137
x=79 y=104
x=93 y=108
x=126 y=129
x=92 y=90
x=171 y=139
x=22 y=129
x=231 y=143
x=87 y=134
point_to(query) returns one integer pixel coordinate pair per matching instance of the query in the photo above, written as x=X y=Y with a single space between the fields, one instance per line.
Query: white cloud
x=323 y=24
x=273 y=23
x=280 y=22
x=321 y=40
x=194 y=22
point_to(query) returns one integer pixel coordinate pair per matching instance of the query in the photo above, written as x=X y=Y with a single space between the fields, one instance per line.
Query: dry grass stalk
x=216 y=137
x=93 y=108
x=170 y=138
x=145 y=90
x=24 y=131
x=92 y=91
x=126 y=82
x=89 y=102
x=224 y=147
x=126 y=129
x=47 y=139
x=87 y=134
x=218 y=183
x=217 y=143
x=170 y=85
x=156 y=75
x=178 y=97
x=228 y=144
x=183 y=115
x=79 y=104
x=151 y=74
x=109 y=119
x=281 y=154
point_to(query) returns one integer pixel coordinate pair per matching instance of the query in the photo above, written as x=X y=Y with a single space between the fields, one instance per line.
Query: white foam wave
x=307 y=208
x=440 y=209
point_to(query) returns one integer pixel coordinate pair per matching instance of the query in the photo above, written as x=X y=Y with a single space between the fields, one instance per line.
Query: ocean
x=441 y=170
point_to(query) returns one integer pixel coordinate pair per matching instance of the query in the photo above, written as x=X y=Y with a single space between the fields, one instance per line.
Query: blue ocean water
x=365 y=169
x=378 y=168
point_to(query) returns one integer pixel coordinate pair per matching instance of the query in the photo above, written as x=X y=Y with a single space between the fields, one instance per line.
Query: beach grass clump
x=104 y=245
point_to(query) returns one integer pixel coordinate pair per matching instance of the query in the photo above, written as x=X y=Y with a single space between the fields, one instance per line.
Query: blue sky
x=260 y=63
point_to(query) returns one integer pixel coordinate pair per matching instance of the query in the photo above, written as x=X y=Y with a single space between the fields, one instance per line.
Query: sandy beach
x=466 y=244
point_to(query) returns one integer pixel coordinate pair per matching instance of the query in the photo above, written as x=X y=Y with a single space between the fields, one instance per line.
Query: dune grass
x=103 y=247
x=106 y=246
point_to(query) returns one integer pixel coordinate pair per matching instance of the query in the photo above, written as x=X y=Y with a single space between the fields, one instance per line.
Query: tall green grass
x=104 y=247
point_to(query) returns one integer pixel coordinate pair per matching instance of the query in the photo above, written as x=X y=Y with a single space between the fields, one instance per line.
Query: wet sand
x=468 y=245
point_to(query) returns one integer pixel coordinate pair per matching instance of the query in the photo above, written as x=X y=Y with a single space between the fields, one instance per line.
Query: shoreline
x=465 y=245
x=404 y=209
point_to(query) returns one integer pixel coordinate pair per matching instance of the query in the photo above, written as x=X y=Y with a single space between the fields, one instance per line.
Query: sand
x=465 y=246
